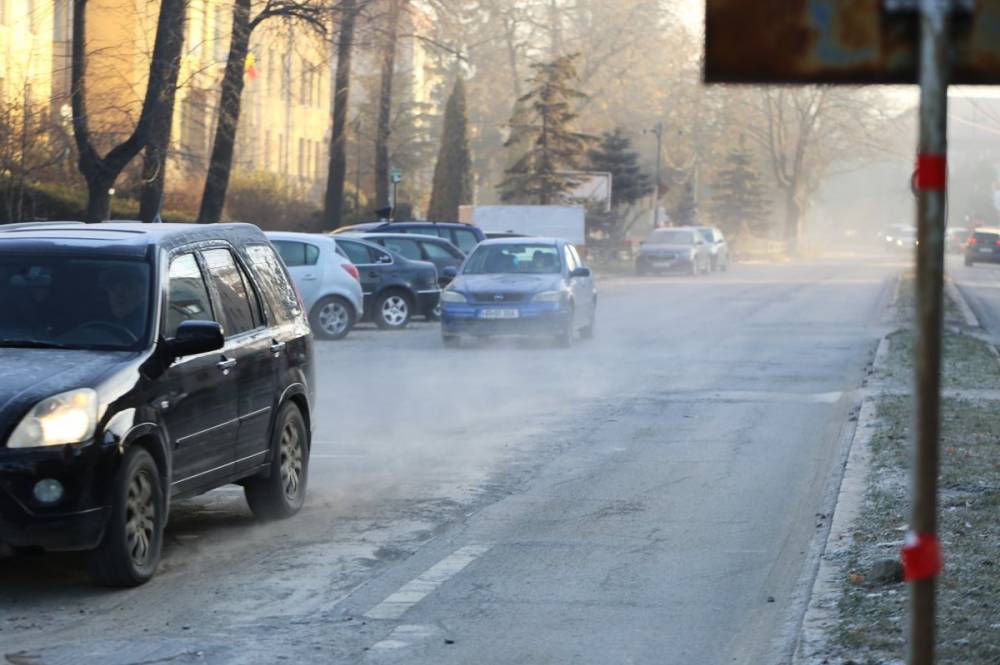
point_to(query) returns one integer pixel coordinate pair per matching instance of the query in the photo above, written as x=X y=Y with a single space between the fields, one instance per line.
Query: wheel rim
x=437 y=312
x=333 y=318
x=291 y=461
x=140 y=518
x=395 y=310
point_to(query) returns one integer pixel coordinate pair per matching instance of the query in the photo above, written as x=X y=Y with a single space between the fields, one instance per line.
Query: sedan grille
x=498 y=297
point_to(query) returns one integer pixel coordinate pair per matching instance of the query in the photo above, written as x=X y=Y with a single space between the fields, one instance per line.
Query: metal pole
x=658 y=130
x=931 y=181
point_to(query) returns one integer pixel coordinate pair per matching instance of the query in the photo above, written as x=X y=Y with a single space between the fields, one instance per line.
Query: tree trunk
x=99 y=198
x=221 y=162
x=793 y=220
x=333 y=209
x=385 y=106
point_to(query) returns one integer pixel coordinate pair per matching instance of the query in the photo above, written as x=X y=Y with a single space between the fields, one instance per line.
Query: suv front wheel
x=282 y=491
x=130 y=552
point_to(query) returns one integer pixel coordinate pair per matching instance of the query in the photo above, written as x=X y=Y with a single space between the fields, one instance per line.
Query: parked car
x=463 y=236
x=395 y=288
x=330 y=285
x=513 y=286
x=444 y=255
x=680 y=249
x=983 y=246
x=718 y=247
x=145 y=363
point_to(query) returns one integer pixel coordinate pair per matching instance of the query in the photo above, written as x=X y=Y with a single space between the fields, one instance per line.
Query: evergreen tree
x=540 y=175
x=739 y=195
x=615 y=156
x=452 y=173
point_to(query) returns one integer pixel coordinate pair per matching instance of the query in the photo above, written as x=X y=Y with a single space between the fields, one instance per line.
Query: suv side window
x=435 y=251
x=236 y=297
x=465 y=240
x=296 y=254
x=187 y=295
x=284 y=300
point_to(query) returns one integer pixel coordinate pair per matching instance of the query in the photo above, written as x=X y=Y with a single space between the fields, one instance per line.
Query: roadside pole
x=658 y=130
x=921 y=552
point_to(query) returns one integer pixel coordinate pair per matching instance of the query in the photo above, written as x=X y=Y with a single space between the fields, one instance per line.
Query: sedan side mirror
x=196 y=337
x=451 y=272
x=580 y=272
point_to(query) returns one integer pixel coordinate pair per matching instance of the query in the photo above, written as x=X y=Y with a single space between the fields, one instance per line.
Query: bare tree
x=390 y=41
x=221 y=161
x=334 y=199
x=100 y=172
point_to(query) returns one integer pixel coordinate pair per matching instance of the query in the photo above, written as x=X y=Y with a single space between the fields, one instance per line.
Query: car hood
x=31 y=375
x=508 y=283
x=664 y=247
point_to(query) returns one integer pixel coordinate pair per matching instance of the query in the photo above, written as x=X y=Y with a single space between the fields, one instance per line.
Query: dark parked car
x=463 y=236
x=142 y=364
x=718 y=248
x=983 y=246
x=680 y=249
x=395 y=288
x=536 y=286
x=443 y=254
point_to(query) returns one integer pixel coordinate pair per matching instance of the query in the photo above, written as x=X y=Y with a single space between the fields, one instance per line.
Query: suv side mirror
x=580 y=272
x=196 y=337
x=451 y=272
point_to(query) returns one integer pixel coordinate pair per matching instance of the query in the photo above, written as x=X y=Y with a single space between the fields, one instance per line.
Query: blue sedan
x=520 y=286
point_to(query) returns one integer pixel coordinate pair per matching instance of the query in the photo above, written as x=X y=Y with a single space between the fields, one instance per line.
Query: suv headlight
x=548 y=296
x=69 y=417
x=453 y=296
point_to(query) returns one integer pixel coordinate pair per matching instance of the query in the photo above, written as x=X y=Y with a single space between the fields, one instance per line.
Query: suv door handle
x=277 y=347
x=226 y=365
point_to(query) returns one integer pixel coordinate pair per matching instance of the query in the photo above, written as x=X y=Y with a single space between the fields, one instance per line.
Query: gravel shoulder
x=871 y=612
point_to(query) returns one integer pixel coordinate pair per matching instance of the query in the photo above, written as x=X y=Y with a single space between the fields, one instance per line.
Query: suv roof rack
x=34 y=225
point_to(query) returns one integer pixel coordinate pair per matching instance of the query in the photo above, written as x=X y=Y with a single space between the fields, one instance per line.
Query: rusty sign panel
x=840 y=41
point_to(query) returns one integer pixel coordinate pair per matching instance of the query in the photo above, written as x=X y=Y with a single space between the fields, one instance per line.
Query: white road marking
x=416 y=590
x=338 y=456
x=757 y=396
x=404 y=636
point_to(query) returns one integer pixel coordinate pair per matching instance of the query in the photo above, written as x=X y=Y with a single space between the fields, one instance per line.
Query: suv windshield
x=73 y=302
x=668 y=237
x=514 y=259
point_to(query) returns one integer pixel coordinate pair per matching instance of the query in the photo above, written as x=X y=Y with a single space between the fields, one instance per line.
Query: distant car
x=512 y=286
x=443 y=254
x=145 y=363
x=898 y=237
x=983 y=246
x=329 y=283
x=718 y=248
x=395 y=288
x=956 y=238
x=680 y=249
x=463 y=236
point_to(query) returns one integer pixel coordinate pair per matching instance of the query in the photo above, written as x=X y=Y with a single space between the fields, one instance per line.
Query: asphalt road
x=980 y=284
x=650 y=496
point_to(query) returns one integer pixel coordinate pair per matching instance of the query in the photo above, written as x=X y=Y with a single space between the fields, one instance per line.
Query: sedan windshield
x=64 y=301
x=671 y=237
x=532 y=259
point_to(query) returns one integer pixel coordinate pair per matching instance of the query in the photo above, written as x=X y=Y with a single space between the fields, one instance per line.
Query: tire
x=282 y=492
x=434 y=314
x=564 y=340
x=393 y=310
x=968 y=262
x=133 y=540
x=451 y=341
x=588 y=332
x=640 y=270
x=694 y=270
x=332 y=318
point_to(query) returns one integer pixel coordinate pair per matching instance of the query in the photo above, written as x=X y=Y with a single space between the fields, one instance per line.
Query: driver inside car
x=125 y=289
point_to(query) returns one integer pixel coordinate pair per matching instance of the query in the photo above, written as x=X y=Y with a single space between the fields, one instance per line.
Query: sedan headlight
x=69 y=417
x=548 y=296
x=453 y=296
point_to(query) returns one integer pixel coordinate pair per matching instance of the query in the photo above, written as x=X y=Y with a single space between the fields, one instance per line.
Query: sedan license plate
x=499 y=313
x=985 y=250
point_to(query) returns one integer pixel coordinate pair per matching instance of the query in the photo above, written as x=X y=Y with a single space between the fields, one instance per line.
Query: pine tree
x=739 y=197
x=615 y=156
x=540 y=175
x=453 y=171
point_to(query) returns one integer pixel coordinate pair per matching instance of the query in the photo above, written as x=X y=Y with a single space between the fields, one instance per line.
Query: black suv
x=395 y=288
x=983 y=246
x=463 y=236
x=144 y=363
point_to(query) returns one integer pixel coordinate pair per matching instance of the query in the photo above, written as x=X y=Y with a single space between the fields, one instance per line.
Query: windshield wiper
x=31 y=344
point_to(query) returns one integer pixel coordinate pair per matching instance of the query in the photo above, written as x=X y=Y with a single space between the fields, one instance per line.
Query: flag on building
x=251 y=69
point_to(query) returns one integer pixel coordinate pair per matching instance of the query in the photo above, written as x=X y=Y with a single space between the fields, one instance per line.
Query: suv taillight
x=351 y=270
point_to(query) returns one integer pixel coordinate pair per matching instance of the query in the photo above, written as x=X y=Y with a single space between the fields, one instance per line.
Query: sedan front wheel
x=393 y=311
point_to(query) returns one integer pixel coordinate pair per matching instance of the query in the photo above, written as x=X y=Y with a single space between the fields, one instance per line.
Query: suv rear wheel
x=393 y=310
x=283 y=491
x=130 y=552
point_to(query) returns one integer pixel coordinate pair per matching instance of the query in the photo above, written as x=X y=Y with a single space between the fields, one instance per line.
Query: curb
x=821 y=612
x=955 y=293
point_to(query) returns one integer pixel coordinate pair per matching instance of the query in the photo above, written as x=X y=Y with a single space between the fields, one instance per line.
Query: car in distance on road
x=718 y=247
x=395 y=288
x=433 y=249
x=463 y=236
x=678 y=249
x=955 y=239
x=517 y=286
x=145 y=363
x=330 y=285
x=983 y=246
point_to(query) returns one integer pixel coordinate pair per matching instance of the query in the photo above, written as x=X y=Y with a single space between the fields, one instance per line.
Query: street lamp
x=658 y=131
